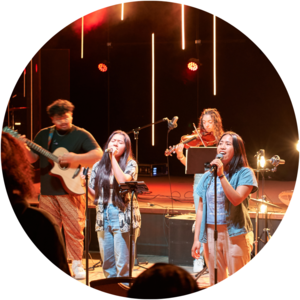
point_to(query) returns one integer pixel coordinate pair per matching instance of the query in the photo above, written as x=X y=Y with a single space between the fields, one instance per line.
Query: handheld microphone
x=109 y=150
x=85 y=171
x=214 y=167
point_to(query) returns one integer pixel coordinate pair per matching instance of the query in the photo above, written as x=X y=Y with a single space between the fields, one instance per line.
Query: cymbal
x=265 y=202
x=285 y=197
x=16 y=108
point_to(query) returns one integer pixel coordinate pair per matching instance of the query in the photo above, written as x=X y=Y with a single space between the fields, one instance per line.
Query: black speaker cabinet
x=181 y=240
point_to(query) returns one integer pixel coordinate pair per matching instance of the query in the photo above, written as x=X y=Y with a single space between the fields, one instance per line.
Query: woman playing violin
x=211 y=128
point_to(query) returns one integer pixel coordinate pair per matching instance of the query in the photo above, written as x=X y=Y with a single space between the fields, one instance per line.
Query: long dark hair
x=215 y=115
x=239 y=159
x=104 y=170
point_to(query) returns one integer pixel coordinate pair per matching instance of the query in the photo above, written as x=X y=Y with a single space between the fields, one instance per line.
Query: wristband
x=181 y=157
x=221 y=176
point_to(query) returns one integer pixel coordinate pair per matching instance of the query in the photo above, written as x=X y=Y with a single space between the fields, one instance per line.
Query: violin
x=196 y=139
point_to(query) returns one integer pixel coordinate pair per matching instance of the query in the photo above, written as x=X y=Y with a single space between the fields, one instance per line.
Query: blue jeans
x=115 y=245
x=197 y=178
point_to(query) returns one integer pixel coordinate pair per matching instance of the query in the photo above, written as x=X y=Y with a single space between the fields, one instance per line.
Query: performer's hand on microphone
x=196 y=249
x=112 y=150
x=220 y=168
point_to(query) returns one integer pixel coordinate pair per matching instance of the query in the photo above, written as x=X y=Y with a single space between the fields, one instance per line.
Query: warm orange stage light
x=102 y=67
x=192 y=66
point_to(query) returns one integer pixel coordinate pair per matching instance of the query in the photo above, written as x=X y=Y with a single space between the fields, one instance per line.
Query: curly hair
x=215 y=115
x=60 y=107
x=16 y=168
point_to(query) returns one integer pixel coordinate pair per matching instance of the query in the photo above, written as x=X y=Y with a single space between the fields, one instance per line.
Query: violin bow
x=199 y=134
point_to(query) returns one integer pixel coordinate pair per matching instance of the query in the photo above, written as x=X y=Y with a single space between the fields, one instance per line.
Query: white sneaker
x=78 y=269
x=198 y=265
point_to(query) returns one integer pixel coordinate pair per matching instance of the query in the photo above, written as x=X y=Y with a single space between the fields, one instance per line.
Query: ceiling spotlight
x=103 y=66
x=193 y=64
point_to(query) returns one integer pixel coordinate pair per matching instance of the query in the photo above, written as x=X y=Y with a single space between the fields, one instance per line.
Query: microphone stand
x=136 y=132
x=87 y=226
x=216 y=230
x=266 y=230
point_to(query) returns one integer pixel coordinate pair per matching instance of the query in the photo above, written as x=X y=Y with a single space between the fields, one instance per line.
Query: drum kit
x=285 y=197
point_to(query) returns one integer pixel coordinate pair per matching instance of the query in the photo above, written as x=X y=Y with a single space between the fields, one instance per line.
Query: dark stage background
x=251 y=97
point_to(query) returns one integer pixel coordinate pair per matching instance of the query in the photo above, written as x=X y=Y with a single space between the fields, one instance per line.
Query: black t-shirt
x=77 y=140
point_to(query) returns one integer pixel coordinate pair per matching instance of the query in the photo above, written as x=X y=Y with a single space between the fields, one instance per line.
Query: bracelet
x=221 y=176
x=181 y=157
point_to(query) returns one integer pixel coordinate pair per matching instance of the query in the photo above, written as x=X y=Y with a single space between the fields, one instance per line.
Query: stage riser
x=161 y=236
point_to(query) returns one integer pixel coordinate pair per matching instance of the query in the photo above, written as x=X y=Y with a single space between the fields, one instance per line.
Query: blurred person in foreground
x=163 y=281
x=40 y=226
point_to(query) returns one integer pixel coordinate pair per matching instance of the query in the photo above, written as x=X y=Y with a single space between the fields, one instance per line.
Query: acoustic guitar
x=69 y=177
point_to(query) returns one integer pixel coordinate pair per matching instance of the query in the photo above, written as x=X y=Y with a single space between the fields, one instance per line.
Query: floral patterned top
x=124 y=216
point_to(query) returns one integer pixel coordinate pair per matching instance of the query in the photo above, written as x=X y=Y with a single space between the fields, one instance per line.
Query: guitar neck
x=42 y=151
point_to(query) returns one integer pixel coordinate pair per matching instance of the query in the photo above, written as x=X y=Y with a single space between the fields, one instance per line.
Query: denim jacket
x=124 y=216
x=237 y=217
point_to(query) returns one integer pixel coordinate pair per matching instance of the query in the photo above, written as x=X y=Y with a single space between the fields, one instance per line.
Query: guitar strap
x=51 y=132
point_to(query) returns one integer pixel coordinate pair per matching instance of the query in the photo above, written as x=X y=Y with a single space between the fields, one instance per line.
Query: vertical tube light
x=31 y=102
x=153 y=106
x=82 y=34
x=122 y=12
x=214 y=67
x=182 y=27
x=24 y=84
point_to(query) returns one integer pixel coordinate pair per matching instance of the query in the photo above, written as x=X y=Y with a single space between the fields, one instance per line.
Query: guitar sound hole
x=64 y=165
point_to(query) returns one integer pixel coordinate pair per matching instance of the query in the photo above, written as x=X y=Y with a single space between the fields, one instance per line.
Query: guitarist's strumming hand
x=68 y=159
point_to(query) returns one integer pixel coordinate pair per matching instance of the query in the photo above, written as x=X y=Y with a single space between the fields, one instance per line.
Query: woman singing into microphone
x=113 y=210
x=235 y=182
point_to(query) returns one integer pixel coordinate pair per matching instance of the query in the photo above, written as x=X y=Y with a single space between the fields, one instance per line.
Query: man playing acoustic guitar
x=81 y=150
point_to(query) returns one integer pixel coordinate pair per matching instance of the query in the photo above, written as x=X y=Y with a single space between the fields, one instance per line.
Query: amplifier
x=153 y=169
x=181 y=239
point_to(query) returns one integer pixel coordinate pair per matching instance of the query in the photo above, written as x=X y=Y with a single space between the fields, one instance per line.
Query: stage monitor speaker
x=181 y=240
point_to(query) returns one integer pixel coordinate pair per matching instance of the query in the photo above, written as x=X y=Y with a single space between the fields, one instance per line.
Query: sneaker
x=78 y=270
x=198 y=265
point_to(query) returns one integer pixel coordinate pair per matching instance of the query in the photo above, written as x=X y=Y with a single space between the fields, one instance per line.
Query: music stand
x=87 y=226
x=135 y=187
x=198 y=159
